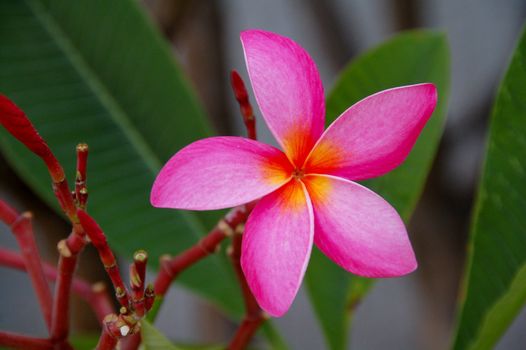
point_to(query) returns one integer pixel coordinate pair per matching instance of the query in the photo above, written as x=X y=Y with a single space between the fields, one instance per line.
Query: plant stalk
x=24 y=342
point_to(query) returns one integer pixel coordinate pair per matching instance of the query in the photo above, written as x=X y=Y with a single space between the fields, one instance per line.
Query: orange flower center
x=298 y=174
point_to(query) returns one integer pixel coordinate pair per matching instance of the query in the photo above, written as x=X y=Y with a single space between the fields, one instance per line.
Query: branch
x=254 y=316
x=240 y=91
x=66 y=268
x=95 y=295
x=98 y=239
x=137 y=277
x=116 y=327
x=8 y=215
x=171 y=267
x=81 y=191
x=108 y=340
x=18 y=124
x=23 y=342
x=23 y=231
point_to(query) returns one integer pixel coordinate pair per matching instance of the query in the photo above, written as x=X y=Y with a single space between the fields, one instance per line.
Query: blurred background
x=414 y=312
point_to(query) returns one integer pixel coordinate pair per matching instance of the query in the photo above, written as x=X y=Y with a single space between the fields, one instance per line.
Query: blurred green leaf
x=153 y=339
x=97 y=71
x=84 y=341
x=494 y=288
x=409 y=58
x=273 y=336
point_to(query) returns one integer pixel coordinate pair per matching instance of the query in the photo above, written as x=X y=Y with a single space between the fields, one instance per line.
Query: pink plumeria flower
x=307 y=192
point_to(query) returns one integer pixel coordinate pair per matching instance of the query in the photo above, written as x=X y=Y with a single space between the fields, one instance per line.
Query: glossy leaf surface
x=408 y=58
x=494 y=288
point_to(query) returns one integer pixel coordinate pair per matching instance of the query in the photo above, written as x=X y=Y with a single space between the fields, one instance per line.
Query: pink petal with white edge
x=375 y=135
x=219 y=172
x=288 y=90
x=358 y=229
x=276 y=247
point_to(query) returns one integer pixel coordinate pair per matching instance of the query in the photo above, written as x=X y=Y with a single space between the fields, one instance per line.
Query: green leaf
x=153 y=339
x=84 y=341
x=273 y=336
x=409 y=58
x=97 y=71
x=494 y=289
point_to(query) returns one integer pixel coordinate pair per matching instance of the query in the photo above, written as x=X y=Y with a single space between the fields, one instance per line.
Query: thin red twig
x=108 y=340
x=98 y=239
x=81 y=191
x=115 y=328
x=240 y=91
x=171 y=267
x=24 y=342
x=95 y=295
x=8 y=215
x=254 y=316
x=66 y=268
x=149 y=296
x=131 y=342
x=23 y=231
x=245 y=332
x=68 y=249
x=140 y=259
x=14 y=120
x=137 y=277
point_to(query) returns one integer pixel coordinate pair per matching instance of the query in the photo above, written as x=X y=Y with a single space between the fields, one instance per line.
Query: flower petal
x=276 y=247
x=288 y=90
x=375 y=135
x=358 y=229
x=219 y=172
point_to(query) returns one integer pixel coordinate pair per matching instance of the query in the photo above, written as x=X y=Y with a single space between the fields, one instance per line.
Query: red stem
x=19 y=341
x=245 y=332
x=107 y=340
x=65 y=199
x=140 y=259
x=240 y=91
x=23 y=231
x=170 y=268
x=68 y=254
x=66 y=268
x=137 y=277
x=7 y=214
x=254 y=316
x=251 y=305
x=131 y=342
x=81 y=191
x=14 y=120
x=137 y=291
x=98 y=239
x=149 y=297
x=115 y=328
x=18 y=124
x=96 y=296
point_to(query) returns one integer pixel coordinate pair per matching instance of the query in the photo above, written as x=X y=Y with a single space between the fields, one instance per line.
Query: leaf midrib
x=116 y=112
